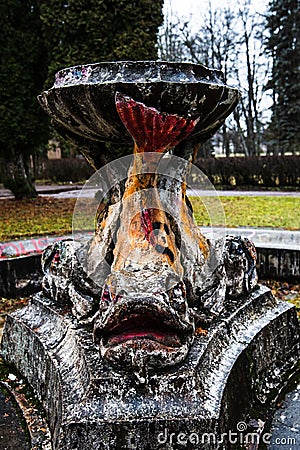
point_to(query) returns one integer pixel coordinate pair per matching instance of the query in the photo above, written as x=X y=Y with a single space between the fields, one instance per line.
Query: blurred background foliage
x=261 y=51
x=37 y=39
x=82 y=32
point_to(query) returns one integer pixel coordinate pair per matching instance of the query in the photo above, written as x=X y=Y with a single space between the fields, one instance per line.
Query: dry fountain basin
x=150 y=335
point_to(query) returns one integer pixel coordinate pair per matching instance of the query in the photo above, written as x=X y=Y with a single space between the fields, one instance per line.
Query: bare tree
x=231 y=41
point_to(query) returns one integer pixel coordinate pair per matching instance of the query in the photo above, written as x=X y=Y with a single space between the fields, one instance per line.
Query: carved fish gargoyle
x=149 y=274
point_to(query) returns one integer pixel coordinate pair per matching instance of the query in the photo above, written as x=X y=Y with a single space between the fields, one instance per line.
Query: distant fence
x=255 y=171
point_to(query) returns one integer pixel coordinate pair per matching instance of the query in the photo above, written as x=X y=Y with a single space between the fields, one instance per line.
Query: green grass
x=275 y=212
x=35 y=217
x=48 y=215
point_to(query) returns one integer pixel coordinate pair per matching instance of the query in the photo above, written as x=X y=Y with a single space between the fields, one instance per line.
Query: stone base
x=232 y=374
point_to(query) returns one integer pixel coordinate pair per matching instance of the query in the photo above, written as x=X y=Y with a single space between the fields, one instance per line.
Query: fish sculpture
x=148 y=280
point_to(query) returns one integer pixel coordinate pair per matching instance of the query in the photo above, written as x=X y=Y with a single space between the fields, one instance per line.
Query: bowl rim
x=70 y=76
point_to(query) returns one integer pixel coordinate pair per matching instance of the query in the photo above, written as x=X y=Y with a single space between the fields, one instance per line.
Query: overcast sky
x=195 y=10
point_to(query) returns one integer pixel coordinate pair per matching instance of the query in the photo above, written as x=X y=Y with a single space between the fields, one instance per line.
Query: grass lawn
x=47 y=215
x=243 y=211
x=35 y=217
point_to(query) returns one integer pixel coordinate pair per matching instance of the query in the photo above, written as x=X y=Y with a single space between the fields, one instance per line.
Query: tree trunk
x=236 y=116
x=225 y=143
x=249 y=120
x=18 y=176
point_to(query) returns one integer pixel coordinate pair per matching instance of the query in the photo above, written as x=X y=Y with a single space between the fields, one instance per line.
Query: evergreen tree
x=89 y=31
x=283 y=44
x=37 y=39
x=23 y=68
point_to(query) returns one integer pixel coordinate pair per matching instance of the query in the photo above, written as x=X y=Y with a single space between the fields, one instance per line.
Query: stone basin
x=82 y=101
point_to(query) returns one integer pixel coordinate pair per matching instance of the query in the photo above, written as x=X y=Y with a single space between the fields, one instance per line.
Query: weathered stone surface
x=149 y=263
x=279 y=263
x=234 y=368
x=23 y=276
x=82 y=100
x=148 y=297
x=148 y=332
x=20 y=276
x=285 y=428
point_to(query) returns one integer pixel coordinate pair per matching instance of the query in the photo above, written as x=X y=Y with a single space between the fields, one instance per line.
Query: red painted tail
x=152 y=131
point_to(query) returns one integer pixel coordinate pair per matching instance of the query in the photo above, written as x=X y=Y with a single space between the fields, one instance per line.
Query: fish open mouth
x=144 y=333
x=141 y=326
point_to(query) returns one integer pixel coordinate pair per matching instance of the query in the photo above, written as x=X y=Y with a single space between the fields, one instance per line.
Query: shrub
x=65 y=169
x=255 y=171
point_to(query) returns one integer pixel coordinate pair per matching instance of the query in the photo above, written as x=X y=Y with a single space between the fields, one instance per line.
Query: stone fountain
x=149 y=335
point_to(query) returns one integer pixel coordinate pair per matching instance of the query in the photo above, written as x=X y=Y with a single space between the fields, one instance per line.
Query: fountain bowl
x=81 y=102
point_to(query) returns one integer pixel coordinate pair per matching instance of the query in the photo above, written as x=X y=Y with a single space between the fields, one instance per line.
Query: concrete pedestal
x=230 y=377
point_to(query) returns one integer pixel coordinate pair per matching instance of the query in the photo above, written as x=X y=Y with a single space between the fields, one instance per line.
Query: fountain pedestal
x=231 y=376
x=150 y=335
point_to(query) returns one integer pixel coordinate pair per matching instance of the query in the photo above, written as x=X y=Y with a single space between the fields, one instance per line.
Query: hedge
x=58 y=170
x=65 y=169
x=254 y=171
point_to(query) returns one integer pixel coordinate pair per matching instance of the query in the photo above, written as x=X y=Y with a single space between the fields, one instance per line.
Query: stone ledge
x=239 y=366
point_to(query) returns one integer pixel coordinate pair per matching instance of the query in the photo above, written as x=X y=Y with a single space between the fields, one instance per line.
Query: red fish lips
x=142 y=326
x=130 y=322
